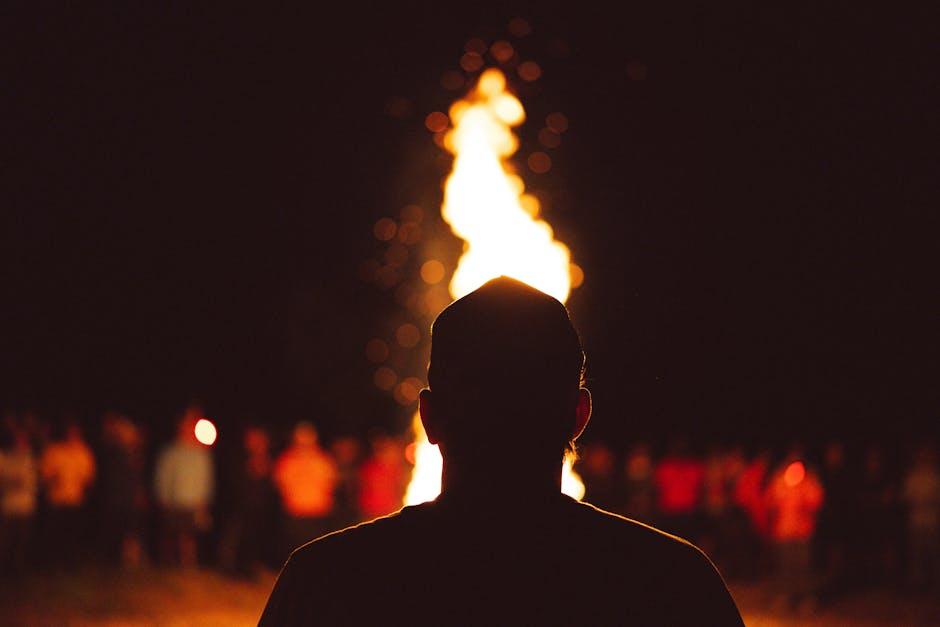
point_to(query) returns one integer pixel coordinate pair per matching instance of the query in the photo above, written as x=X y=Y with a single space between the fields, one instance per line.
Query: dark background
x=188 y=195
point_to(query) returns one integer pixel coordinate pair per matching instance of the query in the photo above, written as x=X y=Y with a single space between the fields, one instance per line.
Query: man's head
x=505 y=375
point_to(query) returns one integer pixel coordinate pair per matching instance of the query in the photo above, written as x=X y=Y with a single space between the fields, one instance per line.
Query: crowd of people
x=69 y=498
x=821 y=523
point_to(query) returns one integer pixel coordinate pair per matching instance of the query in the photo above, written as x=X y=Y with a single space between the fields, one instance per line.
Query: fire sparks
x=485 y=204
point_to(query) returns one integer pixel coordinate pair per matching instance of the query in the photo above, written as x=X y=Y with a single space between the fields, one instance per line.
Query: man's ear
x=428 y=417
x=582 y=412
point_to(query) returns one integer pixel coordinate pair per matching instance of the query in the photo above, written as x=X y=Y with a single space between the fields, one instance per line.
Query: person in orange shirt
x=67 y=469
x=794 y=496
x=305 y=476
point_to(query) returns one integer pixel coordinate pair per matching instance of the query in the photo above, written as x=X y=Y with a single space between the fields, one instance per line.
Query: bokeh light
x=385 y=378
x=471 y=61
x=529 y=71
x=205 y=431
x=409 y=233
x=407 y=335
x=539 y=162
x=556 y=121
x=436 y=122
x=432 y=272
x=385 y=229
x=407 y=391
x=502 y=51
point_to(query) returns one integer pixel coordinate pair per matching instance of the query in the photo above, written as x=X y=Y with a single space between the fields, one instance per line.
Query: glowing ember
x=485 y=205
x=205 y=432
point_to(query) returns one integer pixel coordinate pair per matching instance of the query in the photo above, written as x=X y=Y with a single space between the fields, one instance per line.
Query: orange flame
x=485 y=204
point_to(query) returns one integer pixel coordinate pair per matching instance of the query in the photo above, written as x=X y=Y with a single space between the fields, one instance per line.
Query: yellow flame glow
x=485 y=204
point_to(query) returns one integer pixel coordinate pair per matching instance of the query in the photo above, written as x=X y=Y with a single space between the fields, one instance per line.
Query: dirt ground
x=204 y=597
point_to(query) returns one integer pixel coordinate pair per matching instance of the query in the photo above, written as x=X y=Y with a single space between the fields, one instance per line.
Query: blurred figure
x=596 y=466
x=749 y=498
x=305 y=477
x=183 y=486
x=346 y=452
x=18 y=487
x=794 y=496
x=679 y=478
x=67 y=469
x=728 y=522
x=123 y=494
x=243 y=547
x=835 y=519
x=921 y=493
x=638 y=481
x=715 y=500
x=876 y=525
x=383 y=478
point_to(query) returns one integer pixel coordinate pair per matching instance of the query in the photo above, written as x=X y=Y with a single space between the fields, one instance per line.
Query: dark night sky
x=190 y=193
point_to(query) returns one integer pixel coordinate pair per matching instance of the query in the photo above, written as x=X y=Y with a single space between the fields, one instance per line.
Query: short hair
x=508 y=351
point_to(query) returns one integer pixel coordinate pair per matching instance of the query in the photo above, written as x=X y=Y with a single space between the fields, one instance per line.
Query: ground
x=204 y=597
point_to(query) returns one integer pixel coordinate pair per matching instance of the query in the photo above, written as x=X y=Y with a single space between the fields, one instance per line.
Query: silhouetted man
x=501 y=544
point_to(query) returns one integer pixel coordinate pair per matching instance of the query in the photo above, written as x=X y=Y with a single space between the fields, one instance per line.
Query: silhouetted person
x=835 y=518
x=748 y=496
x=123 y=492
x=501 y=544
x=874 y=528
x=243 y=548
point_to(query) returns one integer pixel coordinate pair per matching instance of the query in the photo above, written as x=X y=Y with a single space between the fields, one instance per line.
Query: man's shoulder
x=374 y=532
x=639 y=540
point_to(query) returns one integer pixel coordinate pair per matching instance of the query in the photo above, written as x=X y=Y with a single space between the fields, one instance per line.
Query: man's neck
x=500 y=483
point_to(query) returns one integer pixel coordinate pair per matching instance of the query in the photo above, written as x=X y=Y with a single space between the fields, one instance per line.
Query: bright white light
x=205 y=432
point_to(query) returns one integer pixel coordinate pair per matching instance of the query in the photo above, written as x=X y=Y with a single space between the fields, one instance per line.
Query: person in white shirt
x=183 y=486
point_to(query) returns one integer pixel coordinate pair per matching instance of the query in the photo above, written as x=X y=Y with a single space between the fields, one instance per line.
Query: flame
x=485 y=204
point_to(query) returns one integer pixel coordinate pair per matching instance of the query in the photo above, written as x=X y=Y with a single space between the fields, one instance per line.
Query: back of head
x=506 y=366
